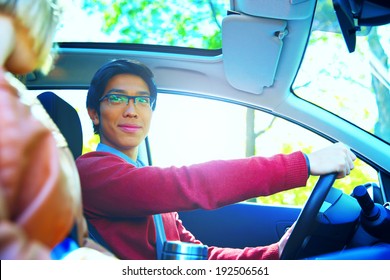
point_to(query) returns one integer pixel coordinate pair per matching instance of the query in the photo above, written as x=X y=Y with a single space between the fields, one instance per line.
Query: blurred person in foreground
x=40 y=197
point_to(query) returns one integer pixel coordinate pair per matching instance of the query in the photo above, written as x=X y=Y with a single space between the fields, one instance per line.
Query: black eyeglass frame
x=129 y=97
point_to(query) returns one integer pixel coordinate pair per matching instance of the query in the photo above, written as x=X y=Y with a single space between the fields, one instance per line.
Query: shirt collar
x=105 y=148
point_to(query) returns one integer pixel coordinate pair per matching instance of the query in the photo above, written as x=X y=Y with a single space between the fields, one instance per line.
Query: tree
x=161 y=22
x=379 y=62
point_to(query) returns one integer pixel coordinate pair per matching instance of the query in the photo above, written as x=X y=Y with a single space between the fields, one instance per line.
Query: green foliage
x=91 y=145
x=190 y=23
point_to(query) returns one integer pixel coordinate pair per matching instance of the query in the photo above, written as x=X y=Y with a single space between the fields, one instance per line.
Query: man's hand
x=335 y=158
x=282 y=242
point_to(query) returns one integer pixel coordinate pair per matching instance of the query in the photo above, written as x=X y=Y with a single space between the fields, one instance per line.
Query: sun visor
x=251 y=48
x=279 y=9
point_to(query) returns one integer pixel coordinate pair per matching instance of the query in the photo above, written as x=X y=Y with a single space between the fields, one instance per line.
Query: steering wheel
x=307 y=216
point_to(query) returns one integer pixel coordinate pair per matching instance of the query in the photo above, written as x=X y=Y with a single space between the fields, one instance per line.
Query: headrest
x=66 y=119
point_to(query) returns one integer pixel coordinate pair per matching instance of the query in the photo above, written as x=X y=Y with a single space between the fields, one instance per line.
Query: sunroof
x=191 y=23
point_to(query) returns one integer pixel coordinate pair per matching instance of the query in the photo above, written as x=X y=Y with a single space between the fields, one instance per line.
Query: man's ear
x=94 y=116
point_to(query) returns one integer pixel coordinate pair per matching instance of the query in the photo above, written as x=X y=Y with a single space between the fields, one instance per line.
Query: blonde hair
x=41 y=18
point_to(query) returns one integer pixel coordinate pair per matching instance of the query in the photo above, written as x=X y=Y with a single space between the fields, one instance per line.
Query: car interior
x=262 y=48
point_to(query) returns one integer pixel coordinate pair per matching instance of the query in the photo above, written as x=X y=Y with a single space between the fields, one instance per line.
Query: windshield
x=354 y=86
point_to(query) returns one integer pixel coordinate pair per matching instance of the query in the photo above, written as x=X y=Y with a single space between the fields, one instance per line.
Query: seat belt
x=95 y=236
x=160 y=235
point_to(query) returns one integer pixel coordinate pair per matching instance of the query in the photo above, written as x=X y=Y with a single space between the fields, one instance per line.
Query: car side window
x=187 y=130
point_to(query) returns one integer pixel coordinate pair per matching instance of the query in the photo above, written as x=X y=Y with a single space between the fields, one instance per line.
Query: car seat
x=66 y=119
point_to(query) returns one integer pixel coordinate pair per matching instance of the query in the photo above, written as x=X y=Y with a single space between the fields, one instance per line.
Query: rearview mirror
x=352 y=14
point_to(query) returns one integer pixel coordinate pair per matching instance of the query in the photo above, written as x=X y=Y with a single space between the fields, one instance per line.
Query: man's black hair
x=111 y=69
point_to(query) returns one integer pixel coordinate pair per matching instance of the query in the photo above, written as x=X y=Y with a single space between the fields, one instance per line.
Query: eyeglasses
x=123 y=100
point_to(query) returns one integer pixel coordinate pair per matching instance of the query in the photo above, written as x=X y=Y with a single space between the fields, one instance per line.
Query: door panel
x=240 y=225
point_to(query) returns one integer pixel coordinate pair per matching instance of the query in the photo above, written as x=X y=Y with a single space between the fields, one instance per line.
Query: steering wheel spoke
x=307 y=216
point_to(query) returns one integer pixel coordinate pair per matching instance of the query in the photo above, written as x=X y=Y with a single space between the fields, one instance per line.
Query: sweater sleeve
x=269 y=252
x=112 y=187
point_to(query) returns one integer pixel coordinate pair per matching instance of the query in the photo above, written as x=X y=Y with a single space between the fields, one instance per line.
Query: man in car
x=121 y=195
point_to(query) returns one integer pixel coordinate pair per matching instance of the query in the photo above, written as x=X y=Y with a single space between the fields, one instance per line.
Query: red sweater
x=119 y=199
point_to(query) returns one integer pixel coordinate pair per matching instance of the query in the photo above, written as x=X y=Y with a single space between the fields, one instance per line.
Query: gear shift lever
x=375 y=218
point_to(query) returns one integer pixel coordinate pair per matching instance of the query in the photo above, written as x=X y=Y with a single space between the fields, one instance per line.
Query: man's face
x=124 y=126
